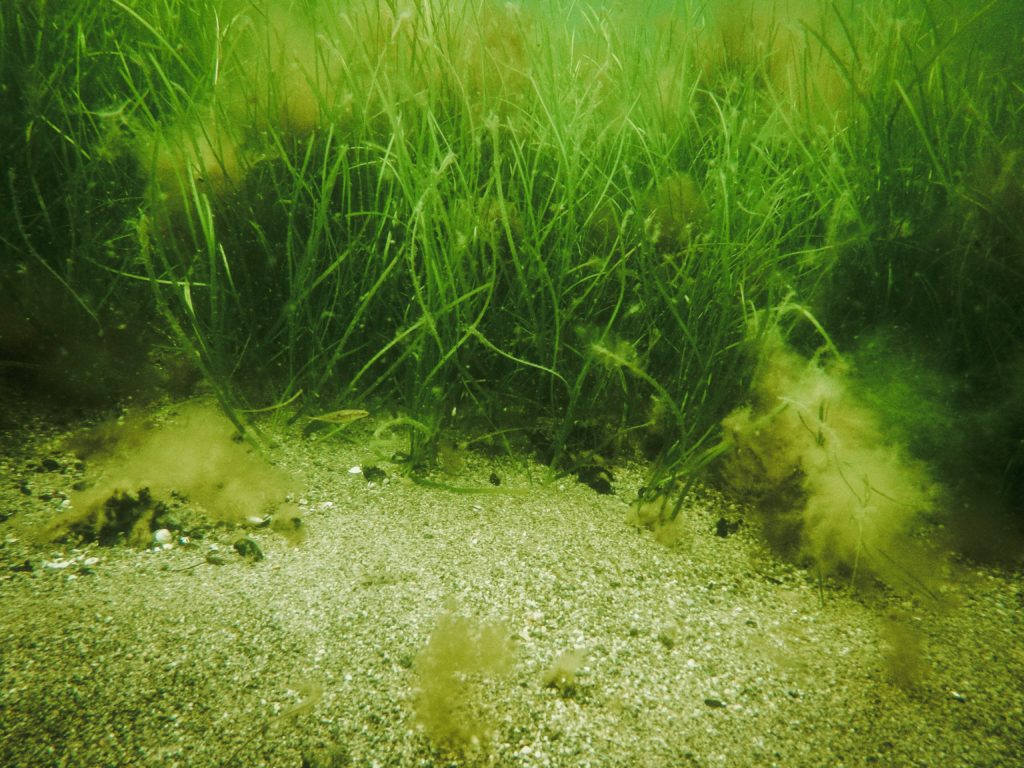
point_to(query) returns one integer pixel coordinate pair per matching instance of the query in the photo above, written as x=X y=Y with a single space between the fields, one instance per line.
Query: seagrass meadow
x=753 y=271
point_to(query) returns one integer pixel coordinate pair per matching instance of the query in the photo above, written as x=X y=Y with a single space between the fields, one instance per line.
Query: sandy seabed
x=713 y=651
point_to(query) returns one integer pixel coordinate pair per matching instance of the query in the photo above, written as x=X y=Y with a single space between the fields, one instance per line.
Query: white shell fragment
x=162 y=536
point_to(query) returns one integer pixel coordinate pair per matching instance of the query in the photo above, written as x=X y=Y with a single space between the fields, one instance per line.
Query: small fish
x=339 y=420
x=343 y=417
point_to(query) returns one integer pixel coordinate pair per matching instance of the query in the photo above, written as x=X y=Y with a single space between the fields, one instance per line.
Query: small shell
x=162 y=536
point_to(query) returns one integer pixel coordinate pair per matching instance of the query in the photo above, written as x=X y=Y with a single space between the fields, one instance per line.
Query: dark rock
x=249 y=549
x=724 y=527
x=597 y=477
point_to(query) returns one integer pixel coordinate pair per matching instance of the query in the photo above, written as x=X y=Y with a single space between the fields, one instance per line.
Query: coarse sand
x=711 y=652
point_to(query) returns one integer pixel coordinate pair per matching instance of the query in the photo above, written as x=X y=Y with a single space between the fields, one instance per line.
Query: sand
x=712 y=651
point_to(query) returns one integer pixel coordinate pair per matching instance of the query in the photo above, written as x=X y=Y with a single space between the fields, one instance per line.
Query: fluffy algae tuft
x=814 y=457
x=454 y=703
x=190 y=455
